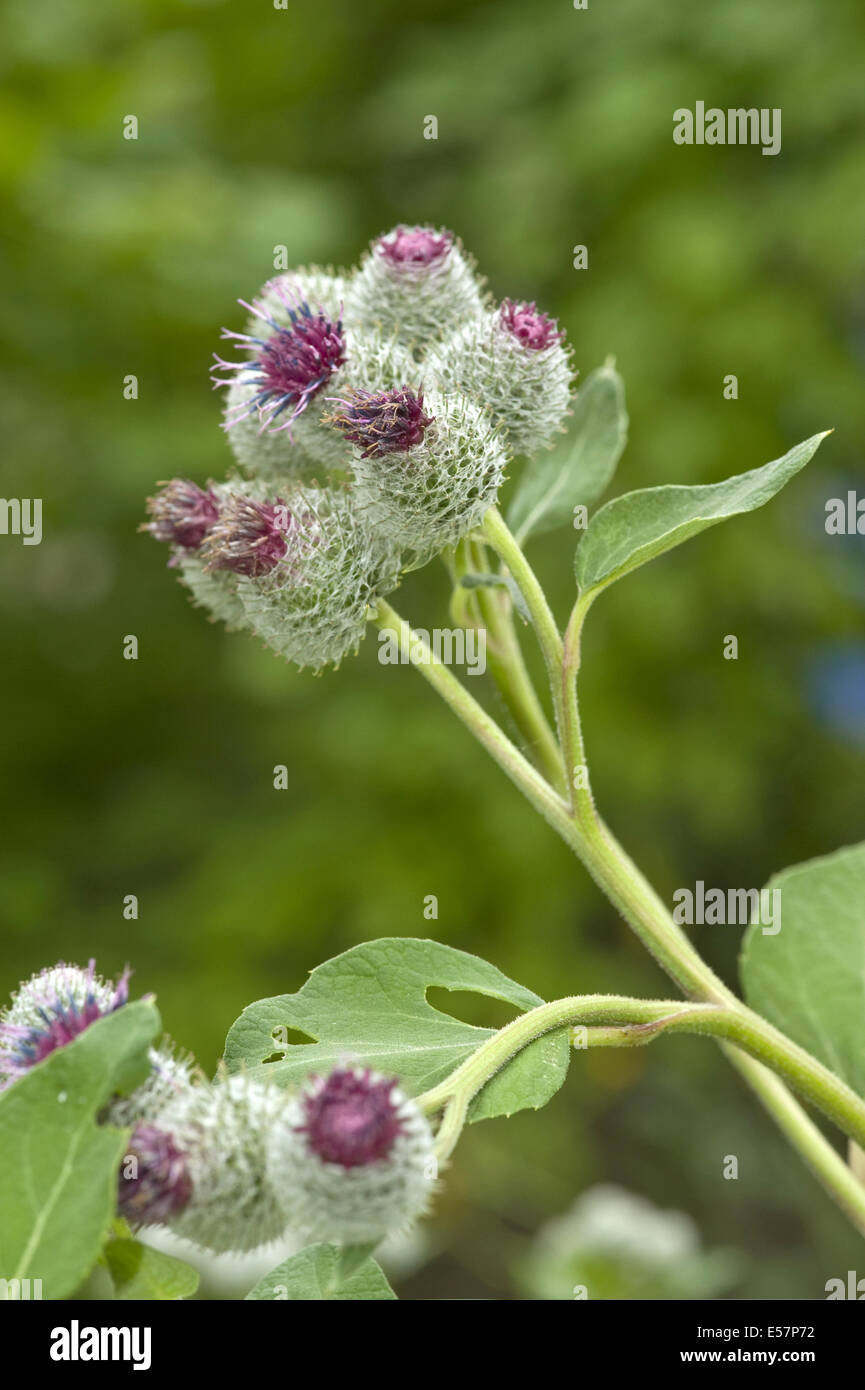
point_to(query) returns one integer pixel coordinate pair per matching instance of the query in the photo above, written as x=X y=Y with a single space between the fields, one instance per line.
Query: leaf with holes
x=369 y=1005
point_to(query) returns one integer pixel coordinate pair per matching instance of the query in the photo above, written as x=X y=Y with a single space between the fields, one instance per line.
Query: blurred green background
x=303 y=127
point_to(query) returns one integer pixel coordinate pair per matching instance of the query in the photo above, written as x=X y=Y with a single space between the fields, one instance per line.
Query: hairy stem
x=615 y=873
x=508 y=669
x=509 y=552
x=474 y=716
x=640 y=1021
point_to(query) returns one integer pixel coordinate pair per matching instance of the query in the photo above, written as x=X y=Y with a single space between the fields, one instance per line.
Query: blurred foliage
x=611 y=1244
x=303 y=127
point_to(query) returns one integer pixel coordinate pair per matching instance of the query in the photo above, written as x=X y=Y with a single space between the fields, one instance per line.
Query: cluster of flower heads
x=372 y=416
x=238 y=1162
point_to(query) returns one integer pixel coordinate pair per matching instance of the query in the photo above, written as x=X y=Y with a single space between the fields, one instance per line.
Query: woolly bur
x=311 y=604
x=372 y=361
x=199 y=1166
x=425 y=466
x=352 y=1159
x=52 y=1009
x=513 y=359
x=414 y=281
x=183 y=515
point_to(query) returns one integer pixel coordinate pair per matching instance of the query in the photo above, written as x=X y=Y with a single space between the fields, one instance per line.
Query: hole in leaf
x=469 y=1007
x=290 y=1037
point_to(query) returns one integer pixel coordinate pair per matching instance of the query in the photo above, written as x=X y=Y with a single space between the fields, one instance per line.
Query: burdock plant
x=374 y=417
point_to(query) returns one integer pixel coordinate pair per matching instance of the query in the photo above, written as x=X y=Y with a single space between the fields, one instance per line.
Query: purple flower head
x=287 y=368
x=528 y=325
x=250 y=537
x=381 y=422
x=181 y=514
x=414 y=246
x=154 y=1181
x=51 y=1010
x=351 y=1118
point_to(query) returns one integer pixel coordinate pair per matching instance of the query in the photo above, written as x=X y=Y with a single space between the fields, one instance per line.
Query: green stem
x=546 y=629
x=640 y=1021
x=631 y=893
x=451 y=1126
x=508 y=669
x=474 y=716
x=611 y=868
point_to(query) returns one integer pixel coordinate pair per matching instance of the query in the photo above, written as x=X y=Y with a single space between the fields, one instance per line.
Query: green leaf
x=370 y=1004
x=637 y=527
x=59 y=1167
x=140 y=1272
x=579 y=469
x=809 y=978
x=317 y=1274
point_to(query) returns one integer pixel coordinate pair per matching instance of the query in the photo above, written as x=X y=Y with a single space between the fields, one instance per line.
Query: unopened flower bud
x=202 y=1168
x=529 y=326
x=426 y=468
x=171 y=1074
x=154 y=1183
x=312 y=607
x=413 y=247
x=351 y=1158
x=415 y=282
x=515 y=362
x=52 y=1009
x=181 y=513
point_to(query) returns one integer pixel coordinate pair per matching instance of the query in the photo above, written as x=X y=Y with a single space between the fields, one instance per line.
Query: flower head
x=154 y=1182
x=351 y=1118
x=352 y=1159
x=528 y=325
x=313 y=606
x=181 y=514
x=415 y=282
x=515 y=360
x=202 y=1165
x=52 y=1009
x=381 y=422
x=250 y=537
x=423 y=480
x=288 y=366
x=172 y=1072
x=413 y=246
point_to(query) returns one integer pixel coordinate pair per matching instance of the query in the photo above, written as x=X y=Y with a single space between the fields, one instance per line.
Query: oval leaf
x=370 y=1005
x=319 y=1274
x=579 y=469
x=632 y=529
x=809 y=978
x=59 y=1188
